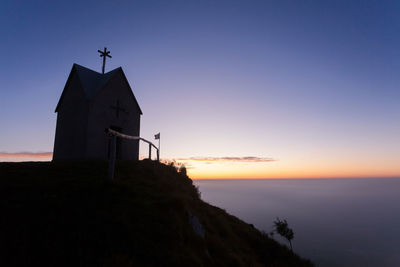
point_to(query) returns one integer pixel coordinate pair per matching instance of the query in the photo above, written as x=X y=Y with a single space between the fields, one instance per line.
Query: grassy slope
x=68 y=214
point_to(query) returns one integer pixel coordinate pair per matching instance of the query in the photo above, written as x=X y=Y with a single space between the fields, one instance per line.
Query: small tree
x=282 y=228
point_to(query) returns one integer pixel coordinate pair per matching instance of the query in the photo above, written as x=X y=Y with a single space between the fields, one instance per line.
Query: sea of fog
x=336 y=222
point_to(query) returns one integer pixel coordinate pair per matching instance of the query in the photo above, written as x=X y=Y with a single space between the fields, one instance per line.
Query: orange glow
x=26 y=156
x=261 y=167
x=220 y=169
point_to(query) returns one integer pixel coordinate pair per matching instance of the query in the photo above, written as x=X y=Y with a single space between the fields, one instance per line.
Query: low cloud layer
x=41 y=155
x=227 y=159
x=49 y=155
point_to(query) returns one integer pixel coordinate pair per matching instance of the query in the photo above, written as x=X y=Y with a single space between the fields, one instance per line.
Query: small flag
x=157 y=136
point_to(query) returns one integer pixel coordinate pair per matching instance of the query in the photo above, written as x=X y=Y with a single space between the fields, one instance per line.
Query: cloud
x=20 y=156
x=35 y=155
x=227 y=159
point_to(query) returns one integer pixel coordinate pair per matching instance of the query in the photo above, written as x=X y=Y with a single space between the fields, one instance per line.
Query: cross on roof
x=104 y=54
x=118 y=108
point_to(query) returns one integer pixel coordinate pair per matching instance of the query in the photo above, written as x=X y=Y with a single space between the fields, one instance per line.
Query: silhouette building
x=90 y=103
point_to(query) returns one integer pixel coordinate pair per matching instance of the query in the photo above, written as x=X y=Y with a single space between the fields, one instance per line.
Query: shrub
x=282 y=228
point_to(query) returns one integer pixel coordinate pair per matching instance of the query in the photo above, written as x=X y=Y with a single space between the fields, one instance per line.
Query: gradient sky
x=311 y=88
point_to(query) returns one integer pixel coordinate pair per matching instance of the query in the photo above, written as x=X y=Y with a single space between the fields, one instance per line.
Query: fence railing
x=113 y=148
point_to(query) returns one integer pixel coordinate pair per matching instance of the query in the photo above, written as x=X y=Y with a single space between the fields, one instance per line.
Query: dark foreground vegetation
x=68 y=214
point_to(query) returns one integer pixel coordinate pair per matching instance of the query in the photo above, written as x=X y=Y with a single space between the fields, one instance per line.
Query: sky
x=237 y=89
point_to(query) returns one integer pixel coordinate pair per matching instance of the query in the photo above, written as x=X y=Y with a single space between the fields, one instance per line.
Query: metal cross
x=117 y=108
x=104 y=54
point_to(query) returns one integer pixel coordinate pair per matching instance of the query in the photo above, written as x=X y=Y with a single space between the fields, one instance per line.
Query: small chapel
x=90 y=103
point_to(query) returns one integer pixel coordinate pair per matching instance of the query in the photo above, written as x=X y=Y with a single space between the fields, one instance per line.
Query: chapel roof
x=92 y=82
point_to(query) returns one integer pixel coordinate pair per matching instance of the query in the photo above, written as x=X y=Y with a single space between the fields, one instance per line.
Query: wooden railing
x=113 y=148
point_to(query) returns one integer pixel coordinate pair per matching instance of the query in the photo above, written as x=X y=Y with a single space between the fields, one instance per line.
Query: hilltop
x=69 y=214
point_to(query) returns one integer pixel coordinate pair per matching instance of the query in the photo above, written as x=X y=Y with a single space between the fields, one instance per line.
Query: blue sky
x=308 y=83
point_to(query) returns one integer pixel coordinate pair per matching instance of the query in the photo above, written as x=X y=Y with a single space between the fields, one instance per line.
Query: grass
x=69 y=214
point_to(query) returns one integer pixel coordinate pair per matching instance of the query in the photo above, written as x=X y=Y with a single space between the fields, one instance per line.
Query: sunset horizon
x=249 y=167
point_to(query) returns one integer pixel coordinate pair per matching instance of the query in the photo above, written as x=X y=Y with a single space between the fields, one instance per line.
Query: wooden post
x=149 y=151
x=158 y=151
x=111 y=160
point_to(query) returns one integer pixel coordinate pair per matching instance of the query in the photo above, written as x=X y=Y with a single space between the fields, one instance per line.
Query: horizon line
x=304 y=178
x=263 y=178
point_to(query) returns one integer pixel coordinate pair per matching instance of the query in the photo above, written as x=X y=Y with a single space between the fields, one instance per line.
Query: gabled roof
x=92 y=82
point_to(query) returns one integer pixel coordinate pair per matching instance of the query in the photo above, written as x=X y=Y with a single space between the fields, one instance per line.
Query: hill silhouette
x=69 y=214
